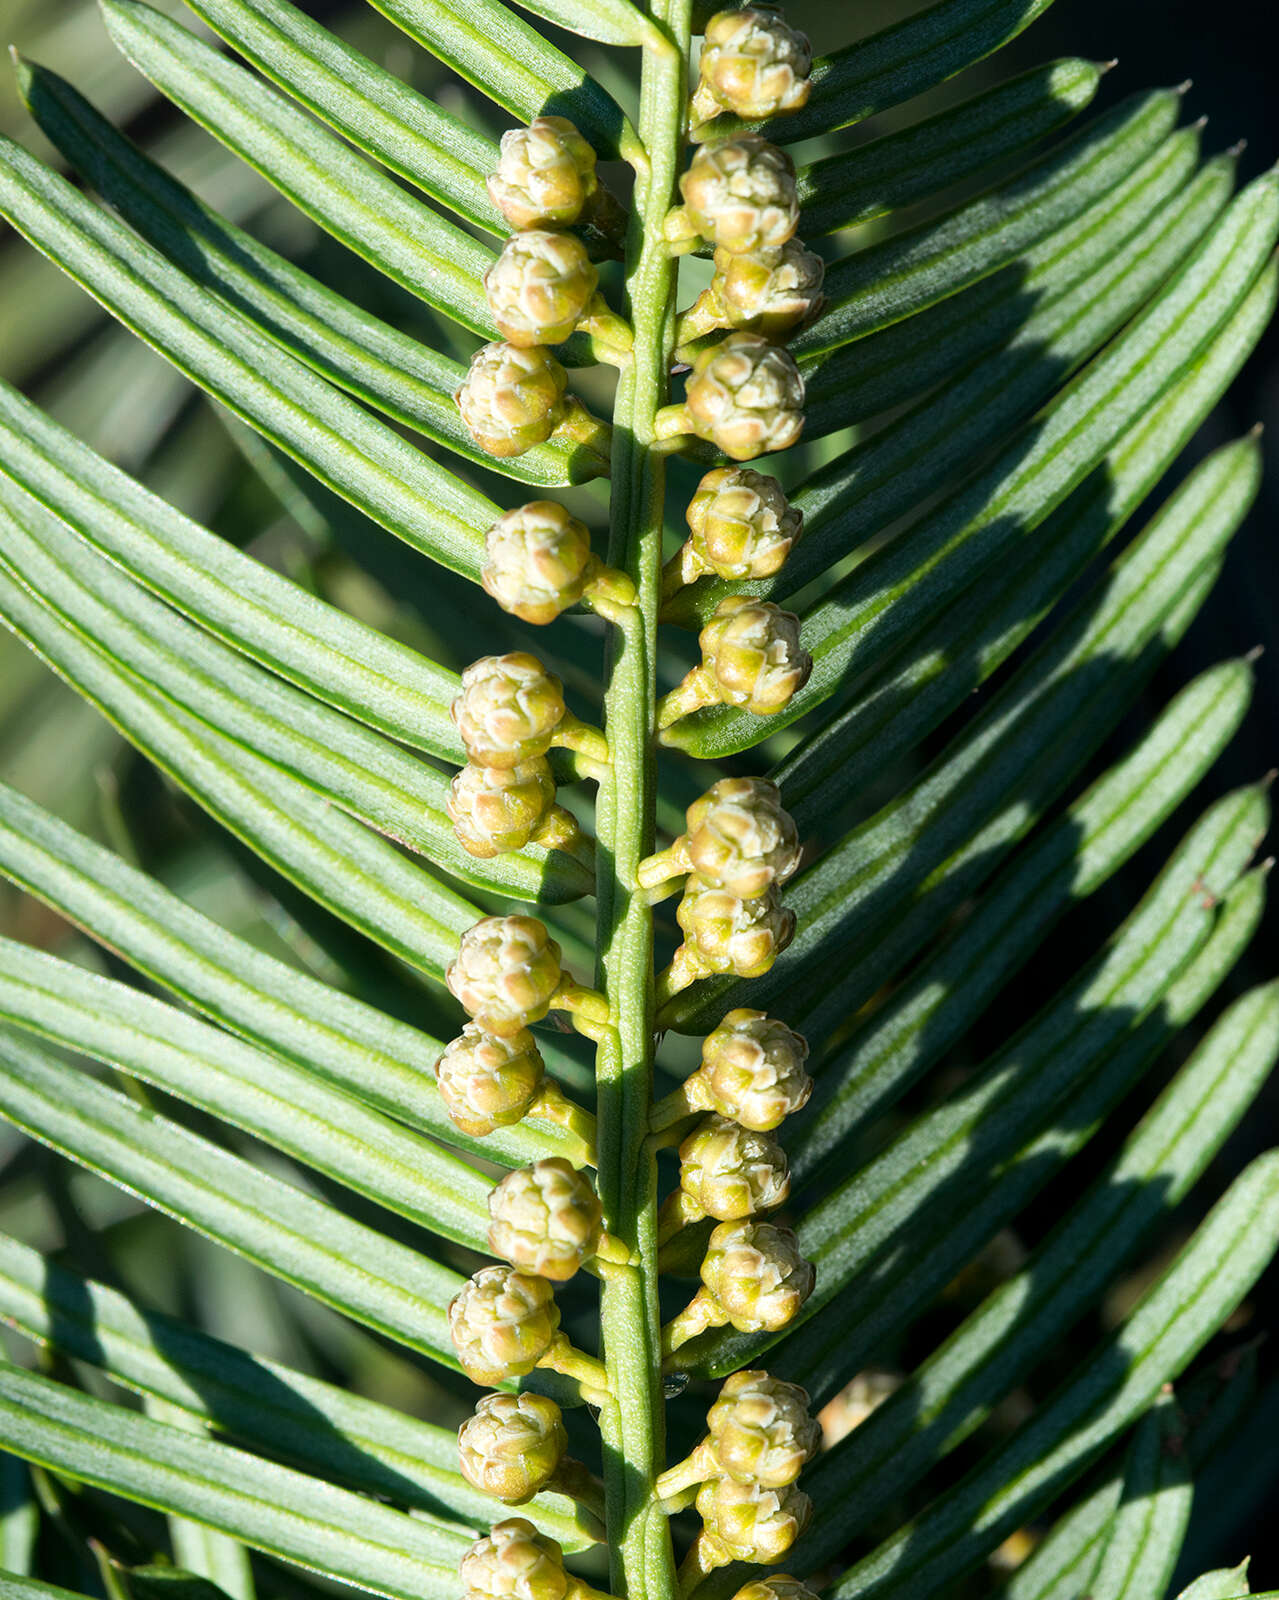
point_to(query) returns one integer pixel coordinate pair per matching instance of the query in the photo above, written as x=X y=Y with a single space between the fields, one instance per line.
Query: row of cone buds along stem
x=744 y=396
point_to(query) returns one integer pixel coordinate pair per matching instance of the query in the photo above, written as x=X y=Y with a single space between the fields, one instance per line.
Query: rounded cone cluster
x=762 y=1431
x=752 y=1070
x=512 y=398
x=752 y=651
x=505 y=973
x=747 y=1522
x=545 y=175
x=502 y=1323
x=745 y=396
x=546 y=1218
x=515 y=1562
x=769 y=291
x=487 y=1081
x=728 y=1171
x=741 y=839
x=512 y=1446
x=739 y=194
x=752 y=64
x=495 y=810
x=755 y=1274
x=538 y=561
x=740 y=524
x=725 y=934
x=508 y=710
x=540 y=286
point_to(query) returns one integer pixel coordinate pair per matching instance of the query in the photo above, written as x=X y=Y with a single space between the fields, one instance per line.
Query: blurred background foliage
x=116 y=394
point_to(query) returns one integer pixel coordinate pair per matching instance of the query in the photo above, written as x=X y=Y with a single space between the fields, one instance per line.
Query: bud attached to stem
x=539 y=562
x=502 y=1323
x=739 y=838
x=753 y=1277
x=752 y=1070
x=745 y=396
x=778 y=1586
x=516 y=1562
x=546 y=1219
x=726 y=1172
x=512 y=398
x=506 y=973
x=513 y=1445
x=487 y=1082
x=723 y=934
x=752 y=64
x=511 y=710
x=771 y=292
x=745 y=1522
x=762 y=1431
x=540 y=286
x=751 y=657
x=495 y=810
x=740 y=526
x=739 y=194
x=546 y=178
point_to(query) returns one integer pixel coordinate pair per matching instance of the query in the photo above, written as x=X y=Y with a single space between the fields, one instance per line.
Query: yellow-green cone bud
x=539 y=561
x=752 y=1070
x=728 y=1171
x=740 y=837
x=502 y=1323
x=511 y=398
x=495 y=810
x=545 y=175
x=488 y=1082
x=752 y=64
x=508 y=709
x=746 y=1522
x=771 y=292
x=761 y=1430
x=739 y=194
x=752 y=652
x=740 y=524
x=505 y=973
x=780 y=1586
x=515 y=1562
x=745 y=396
x=540 y=286
x=725 y=934
x=756 y=1275
x=512 y=1446
x=546 y=1218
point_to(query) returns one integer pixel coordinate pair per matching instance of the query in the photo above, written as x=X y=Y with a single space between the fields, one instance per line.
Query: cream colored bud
x=502 y=1323
x=540 y=286
x=545 y=175
x=756 y=1275
x=508 y=710
x=739 y=194
x=770 y=292
x=752 y=1070
x=495 y=810
x=745 y=396
x=762 y=1431
x=512 y=1446
x=725 y=934
x=505 y=973
x=728 y=1171
x=746 y=1522
x=752 y=651
x=752 y=64
x=546 y=1218
x=512 y=398
x=740 y=837
x=741 y=524
x=539 y=561
x=487 y=1082
x=515 y=1562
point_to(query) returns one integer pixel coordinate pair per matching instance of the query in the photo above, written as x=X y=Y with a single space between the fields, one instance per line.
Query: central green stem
x=632 y=1424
